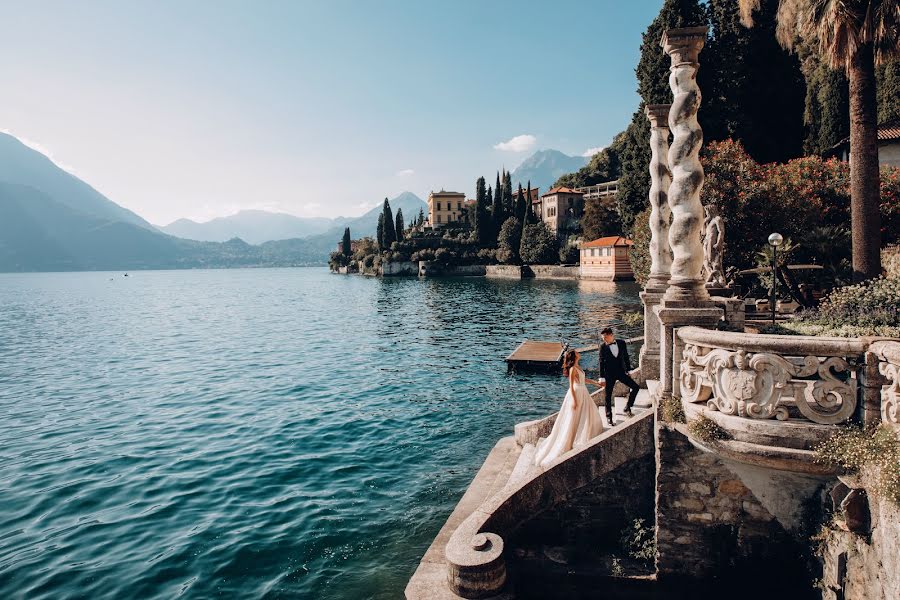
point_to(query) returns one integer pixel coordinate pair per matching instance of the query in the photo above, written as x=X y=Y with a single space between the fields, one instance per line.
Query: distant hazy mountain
x=252 y=226
x=21 y=165
x=544 y=167
x=53 y=221
x=258 y=226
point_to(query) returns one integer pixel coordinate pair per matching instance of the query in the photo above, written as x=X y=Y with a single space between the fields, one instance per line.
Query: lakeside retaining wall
x=431 y=269
x=398 y=269
x=550 y=271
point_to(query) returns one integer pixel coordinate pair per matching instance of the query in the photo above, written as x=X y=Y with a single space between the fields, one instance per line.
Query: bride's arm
x=572 y=377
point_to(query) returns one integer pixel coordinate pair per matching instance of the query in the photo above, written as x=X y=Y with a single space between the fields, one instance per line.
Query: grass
x=873 y=454
x=706 y=430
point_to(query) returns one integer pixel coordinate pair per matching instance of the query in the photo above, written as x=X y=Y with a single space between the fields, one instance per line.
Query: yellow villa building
x=445 y=207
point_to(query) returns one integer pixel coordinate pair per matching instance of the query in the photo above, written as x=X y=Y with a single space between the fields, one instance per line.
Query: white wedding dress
x=572 y=428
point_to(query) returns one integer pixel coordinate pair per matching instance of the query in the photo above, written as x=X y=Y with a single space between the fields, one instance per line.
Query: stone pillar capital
x=684 y=44
x=658 y=115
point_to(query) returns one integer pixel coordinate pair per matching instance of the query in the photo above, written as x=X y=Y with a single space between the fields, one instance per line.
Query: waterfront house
x=606 y=258
x=445 y=208
x=561 y=210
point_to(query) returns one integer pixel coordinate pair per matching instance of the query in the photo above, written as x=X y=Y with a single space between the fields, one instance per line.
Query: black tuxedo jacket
x=610 y=365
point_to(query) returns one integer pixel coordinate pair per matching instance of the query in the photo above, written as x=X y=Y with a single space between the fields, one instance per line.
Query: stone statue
x=713 y=248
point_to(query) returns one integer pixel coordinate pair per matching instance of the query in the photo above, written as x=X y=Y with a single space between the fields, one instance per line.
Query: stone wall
x=432 y=269
x=503 y=271
x=712 y=525
x=395 y=269
x=550 y=271
x=583 y=534
x=864 y=567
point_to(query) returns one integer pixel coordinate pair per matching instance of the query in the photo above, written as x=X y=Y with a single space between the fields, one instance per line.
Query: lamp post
x=775 y=240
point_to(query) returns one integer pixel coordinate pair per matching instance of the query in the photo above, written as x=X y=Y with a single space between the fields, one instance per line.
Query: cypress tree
x=399 y=226
x=390 y=233
x=482 y=221
x=509 y=207
x=497 y=216
x=379 y=231
x=520 y=204
x=529 y=212
x=421 y=216
x=346 y=242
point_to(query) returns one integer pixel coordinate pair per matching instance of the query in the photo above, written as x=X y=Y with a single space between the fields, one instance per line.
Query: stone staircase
x=509 y=489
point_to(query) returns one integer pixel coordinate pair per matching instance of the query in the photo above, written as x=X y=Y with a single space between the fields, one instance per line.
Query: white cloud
x=405 y=173
x=520 y=143
x=592 y=151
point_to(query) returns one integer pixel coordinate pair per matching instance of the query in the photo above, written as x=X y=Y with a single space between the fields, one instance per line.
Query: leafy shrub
x=444 y=256
x=509 y=240
x=487 y=256
x=639 y=254
x=706 y=430
x=569 y=254
x=639 y=541
x=868 y=308
x=793 y=198
x=874 y=453
x=890 y=261
x=633 y=319
x=426 y=254
x=672 y=411
x=538 y=245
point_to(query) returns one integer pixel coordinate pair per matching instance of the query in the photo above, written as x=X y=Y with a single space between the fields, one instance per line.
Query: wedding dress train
x=573 y=428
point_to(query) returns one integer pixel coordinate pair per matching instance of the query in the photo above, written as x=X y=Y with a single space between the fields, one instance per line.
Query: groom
x=614 y=366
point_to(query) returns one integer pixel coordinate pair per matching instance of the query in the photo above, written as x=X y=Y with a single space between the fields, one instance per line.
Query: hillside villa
x=445 y=207
x=561 y=209
x=606 y=258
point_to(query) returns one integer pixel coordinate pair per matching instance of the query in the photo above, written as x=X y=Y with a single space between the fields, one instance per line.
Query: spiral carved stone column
x=686 y=282
x=660 y=251
x=686 y=300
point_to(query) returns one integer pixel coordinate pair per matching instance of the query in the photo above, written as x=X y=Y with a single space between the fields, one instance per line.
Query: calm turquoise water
x=255 y=433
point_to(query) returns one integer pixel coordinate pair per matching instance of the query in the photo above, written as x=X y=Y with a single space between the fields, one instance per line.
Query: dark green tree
x=520 y=204
x=753 y=89
x=539 y=245
x=509 y=240
x=390 y=232
x=345 y=243
x=379 y=231
x=496 y=211
x=653 y=88
x=421 y=216
x=482 y=225
x=509 y=207
x=399 y=226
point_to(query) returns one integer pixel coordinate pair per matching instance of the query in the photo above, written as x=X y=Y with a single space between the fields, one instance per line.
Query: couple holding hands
x=579 y=419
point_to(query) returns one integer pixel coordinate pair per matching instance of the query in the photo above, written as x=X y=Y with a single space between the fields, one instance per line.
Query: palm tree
x=854 y=35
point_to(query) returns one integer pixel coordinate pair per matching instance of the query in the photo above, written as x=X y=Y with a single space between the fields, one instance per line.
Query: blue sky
x=199 y=108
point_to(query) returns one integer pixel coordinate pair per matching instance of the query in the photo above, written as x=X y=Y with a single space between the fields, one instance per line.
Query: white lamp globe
x=775 y=239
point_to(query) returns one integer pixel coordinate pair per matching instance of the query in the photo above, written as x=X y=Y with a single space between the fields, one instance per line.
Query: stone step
x=524 y=466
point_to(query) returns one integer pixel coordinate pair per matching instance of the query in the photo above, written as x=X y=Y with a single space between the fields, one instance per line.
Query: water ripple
x=256 y=433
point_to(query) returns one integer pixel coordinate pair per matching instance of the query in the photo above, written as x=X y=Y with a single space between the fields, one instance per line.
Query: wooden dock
x=532 y=355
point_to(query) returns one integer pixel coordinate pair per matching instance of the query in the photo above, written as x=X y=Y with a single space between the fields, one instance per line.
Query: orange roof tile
x=612 y=240
x=562 y=190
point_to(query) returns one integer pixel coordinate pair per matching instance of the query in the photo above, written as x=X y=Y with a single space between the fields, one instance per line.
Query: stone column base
x=702 y=314
x=649 y=358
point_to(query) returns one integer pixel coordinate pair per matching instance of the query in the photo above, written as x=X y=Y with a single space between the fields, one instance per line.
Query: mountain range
x=52 y=221
x=258 y=226
x=544 y=167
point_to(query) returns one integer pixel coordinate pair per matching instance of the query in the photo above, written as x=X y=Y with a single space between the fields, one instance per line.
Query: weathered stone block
x=732 y=487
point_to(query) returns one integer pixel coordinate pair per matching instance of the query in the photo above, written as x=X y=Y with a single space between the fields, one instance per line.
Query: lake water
x=256 y=433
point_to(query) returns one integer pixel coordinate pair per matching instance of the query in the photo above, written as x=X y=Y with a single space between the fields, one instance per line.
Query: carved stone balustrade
x=887 y=355
x=771 y=376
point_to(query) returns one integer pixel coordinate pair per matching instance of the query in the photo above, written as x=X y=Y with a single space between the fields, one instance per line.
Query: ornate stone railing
x=887 y=355
x=779 y=377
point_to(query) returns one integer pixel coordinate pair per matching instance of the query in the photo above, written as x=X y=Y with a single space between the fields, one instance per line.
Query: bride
x=578 y=420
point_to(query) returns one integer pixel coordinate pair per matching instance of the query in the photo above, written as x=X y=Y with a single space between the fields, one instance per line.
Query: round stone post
x=660 y=251
x=660 y=180
x=686 y=283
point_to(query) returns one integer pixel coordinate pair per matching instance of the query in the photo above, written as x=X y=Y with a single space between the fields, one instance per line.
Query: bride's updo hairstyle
x=568 y=362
